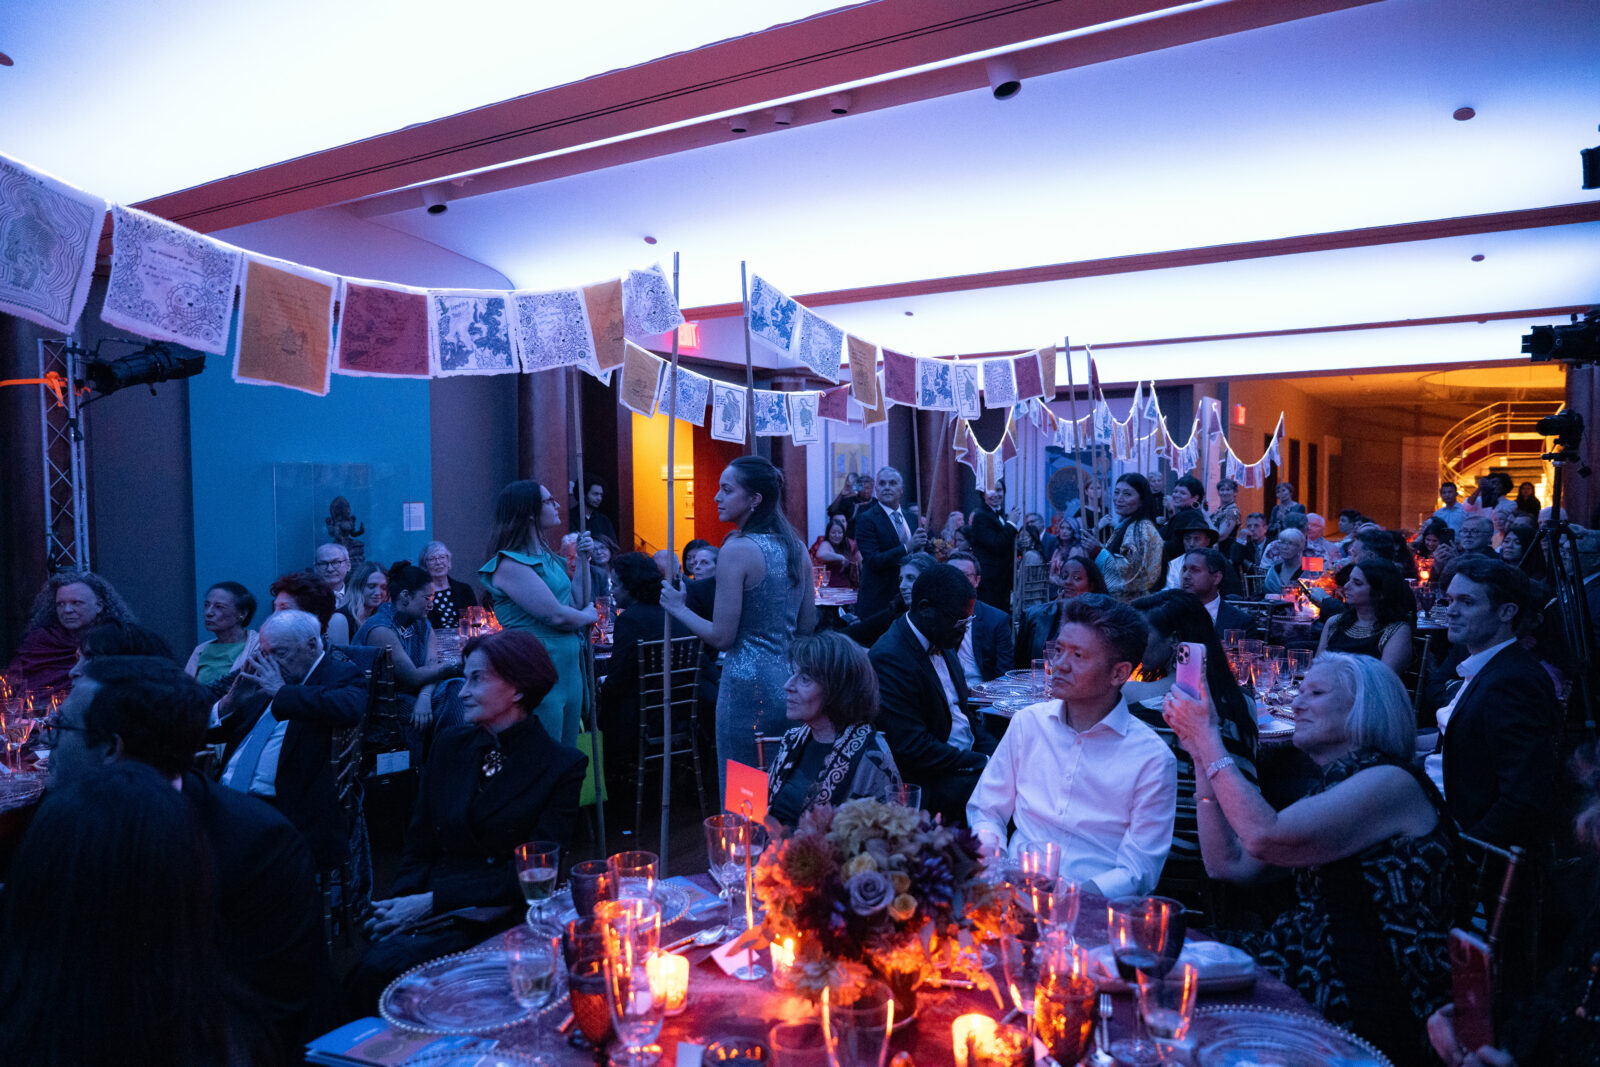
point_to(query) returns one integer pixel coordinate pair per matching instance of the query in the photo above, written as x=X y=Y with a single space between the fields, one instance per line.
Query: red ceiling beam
x=1433 y=229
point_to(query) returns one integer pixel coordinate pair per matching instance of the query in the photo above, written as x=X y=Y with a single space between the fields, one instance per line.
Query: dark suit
x=270 y=911
x=991 y=641
x=1039 y=625
x=333 y=696
x=915 y=717
x=1244 y=555
x=994 y=542
x=1501 y=760
x=881 y=555
x=1232 y=618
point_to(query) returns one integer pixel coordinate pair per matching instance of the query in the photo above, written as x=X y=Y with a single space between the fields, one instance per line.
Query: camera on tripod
x=1577 y=342
x=1565 y=426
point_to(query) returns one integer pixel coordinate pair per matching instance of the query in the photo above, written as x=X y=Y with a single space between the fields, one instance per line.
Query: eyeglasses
x=331 y=563
x=50 y=732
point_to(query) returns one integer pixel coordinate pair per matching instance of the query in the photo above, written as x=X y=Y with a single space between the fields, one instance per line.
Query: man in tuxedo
x=1498 y=761
x=1203 y=574
x=145 y=708
x=994 y=543
x=885 y=533
x=986 y=651
x=937 y=740
x=278 y=719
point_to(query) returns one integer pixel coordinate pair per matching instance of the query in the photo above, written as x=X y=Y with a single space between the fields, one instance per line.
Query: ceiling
x=1258 y=185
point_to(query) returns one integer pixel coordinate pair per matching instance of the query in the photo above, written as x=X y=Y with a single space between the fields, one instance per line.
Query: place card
x=747 y=791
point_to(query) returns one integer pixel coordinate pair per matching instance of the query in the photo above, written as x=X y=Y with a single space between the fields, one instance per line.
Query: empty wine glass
x=538 y=863
x=1146 y=935
x=1062 y=917
x=857 y=1034
x=531 y=959
x=1021 y=958
x=632 y=936
x=632 y=875
x=1166 y=1002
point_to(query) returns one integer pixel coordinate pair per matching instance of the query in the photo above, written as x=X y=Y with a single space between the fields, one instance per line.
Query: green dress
x=560 y=712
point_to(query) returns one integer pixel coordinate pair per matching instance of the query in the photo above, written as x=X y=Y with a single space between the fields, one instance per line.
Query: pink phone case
x=1191 y=667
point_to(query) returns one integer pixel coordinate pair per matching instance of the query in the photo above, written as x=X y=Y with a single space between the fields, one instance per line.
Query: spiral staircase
x=1500 y=437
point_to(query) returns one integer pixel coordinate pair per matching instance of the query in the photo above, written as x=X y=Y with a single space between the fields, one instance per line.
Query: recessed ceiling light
x=910 y=313
x=1478 y=258
x=1462 y=114
x=649 y=240
x=5 y=60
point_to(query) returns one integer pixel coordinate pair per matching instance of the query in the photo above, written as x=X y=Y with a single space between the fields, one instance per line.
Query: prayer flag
x=285 y=330
x=49 y=233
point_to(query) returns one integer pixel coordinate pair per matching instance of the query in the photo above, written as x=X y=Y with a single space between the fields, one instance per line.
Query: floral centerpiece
x=874 y=888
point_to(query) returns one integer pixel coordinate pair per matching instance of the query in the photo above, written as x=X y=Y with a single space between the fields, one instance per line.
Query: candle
x=669 y=980
x=783 y=963
x=968 y=1035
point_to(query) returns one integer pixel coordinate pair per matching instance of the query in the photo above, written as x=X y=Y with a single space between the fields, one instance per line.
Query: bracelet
x=1216 y=767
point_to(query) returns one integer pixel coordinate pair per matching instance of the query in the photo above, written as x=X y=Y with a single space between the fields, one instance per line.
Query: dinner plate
x=472 y=1058
x=1245 y=1035
x=464 y=993
x=1222 y=967
x=1274 y=729
x=673 y=899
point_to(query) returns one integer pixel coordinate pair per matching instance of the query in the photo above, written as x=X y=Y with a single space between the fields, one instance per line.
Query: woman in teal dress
x=764 y=597
x=532 y=592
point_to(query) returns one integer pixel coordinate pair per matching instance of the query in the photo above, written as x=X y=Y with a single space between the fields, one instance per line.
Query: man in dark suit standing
x=1498 y=761
x=994 y=542
x=986 y=651
x=885 y=533
x=1245 y=552
x=937 y=741
x=145 y=708
x=1203 y=573
x=278 y=719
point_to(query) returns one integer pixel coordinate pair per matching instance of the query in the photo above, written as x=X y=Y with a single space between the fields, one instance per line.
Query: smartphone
x=1470 y=970
x=1191 y=668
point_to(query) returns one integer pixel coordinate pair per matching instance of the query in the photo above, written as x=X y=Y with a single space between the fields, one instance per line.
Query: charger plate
x=490 y=1058
x=1243 y=1035
x=673 y=900
x=464 y=993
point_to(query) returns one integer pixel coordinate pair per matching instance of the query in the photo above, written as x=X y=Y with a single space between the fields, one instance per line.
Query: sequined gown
x=750 y=698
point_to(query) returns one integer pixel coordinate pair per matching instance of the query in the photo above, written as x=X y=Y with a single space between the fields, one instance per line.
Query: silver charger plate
x=1234 y=1035
x=464 y=993
x=673 y=899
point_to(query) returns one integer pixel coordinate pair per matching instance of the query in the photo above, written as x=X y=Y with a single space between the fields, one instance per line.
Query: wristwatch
x=1216 y=767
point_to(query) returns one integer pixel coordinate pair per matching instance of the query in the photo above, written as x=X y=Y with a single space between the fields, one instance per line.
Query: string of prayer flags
x=649 y=307
x=51 y=233
x=641 y=380
x=1029 y=379
x=383 y=331
x=819 y=345
x=552 y=329
x=863 y=370
x=899 y=378
x=999 y=383
x=169 y=283
x=285 y=326
x=727 y=411
x=935 y=386
x=773 y=318
x=771 y=413
x=805 y=425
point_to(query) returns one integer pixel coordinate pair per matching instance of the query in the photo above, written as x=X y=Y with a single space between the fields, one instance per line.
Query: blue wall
x=237 y=433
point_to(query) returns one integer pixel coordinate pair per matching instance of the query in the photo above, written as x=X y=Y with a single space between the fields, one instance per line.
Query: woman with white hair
x=450 y=597
x=1371 y=848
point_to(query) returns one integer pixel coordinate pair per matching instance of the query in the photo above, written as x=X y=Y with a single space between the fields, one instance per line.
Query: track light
x=435 y=200
x=741 y=124
x=1003 y=79
x=839 y=103
x=783 y=116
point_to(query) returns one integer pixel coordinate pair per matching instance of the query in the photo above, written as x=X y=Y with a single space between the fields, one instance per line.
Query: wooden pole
x=583 y=591
x=749 y=369
x=1077 y=447
x=672 y=546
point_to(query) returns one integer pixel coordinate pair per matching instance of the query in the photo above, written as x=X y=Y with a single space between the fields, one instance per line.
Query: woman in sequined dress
x=764 y=597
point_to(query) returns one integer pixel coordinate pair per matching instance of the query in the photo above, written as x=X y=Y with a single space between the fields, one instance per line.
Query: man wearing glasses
x=333 y=567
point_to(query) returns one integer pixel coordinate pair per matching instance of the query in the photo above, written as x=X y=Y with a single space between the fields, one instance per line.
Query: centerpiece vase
x=903 y=985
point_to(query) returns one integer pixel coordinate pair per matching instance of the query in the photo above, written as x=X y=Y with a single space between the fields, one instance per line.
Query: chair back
x=1033 y=588
x=1500 y=892
x=1253 y=587
x=1415 y=676
x=676 y=685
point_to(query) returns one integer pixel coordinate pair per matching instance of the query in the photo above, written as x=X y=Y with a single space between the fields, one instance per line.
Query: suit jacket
x=1039 y=625
x=270 y=910
x=332 y=697
x=1232 y=618
x=991 y=641
x=914 y=715
x=881 y=555
x=994 y=542
x=1501 y=759
x=1243 y=554
x=461 y=839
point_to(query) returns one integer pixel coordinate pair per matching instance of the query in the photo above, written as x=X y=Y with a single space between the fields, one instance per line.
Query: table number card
x=747 y=791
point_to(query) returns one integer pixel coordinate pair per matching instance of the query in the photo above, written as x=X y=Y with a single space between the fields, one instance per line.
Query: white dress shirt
x=1468 y=669
x=968 y=657
x=1106 y=796
x=960 y=728
x=1211 y=607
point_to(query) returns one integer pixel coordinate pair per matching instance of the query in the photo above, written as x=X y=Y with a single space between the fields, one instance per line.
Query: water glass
x=1063 y=909
x=857 y=1034
x=582 y=939
x=632 y=875
x=1022 y=957
x=531 y=959
x=1167 y=1003
x=1231 y=639
x=723 y=833
x=538 y=864
x=907 y=796
x=588 y=882
x=1064 y=1001
x=1043 y=859
x=636 y=1010
x=797 y=1045
x=586 y=985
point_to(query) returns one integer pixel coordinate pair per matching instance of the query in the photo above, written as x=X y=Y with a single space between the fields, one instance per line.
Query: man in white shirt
x=1079 y=770
x=1452 y=513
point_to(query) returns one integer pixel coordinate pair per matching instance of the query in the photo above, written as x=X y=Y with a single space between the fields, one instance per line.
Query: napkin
x=1215 y=962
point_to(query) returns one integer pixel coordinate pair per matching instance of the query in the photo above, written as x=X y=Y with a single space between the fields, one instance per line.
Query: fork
x=1101 y=1056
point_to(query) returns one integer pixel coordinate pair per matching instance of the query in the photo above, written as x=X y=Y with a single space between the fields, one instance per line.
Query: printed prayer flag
x=1047 y=371
x=968 y=379
x=603 y=302
x=820 y=343
x=774 y=318
x=835 y=404
x=935 y=385
x=169 y=283
x=553 y=330
x=470 y=332
x=641 y=380
x=383 y=332
x=727 y=411
x=878 y=412
x=49 y=234
x=999 y=383
x=1030 y=383
x=771 y=413
x=649 y=307
x=693 y=392
x=805 y=425
x=899 y=378
x=285 y=326
x=863 y=370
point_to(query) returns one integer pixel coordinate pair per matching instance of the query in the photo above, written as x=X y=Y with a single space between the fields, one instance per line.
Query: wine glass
x=718 y=860
x=632 y=875
x=1166 y=1002
x=632 y=936
x=1064 y=1000
x=586 y=986
x=857 y=1034
x=538 y=863
x=531 y=959
x=1146 y=935
x=1231 y=639
x=1264 y=677
x=732 y=847
x=1021 y=957
x=1062 y=917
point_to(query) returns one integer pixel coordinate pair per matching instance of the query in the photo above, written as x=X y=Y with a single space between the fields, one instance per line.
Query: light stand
x=1566 y=574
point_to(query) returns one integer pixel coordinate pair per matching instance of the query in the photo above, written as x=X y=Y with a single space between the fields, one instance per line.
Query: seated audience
x=300 y=591
x=1206 y=574
x=831 y=754
x=986 y=651
x=269 y=913
x=69 y=603
x=332 y=568
x=400 y=624
x=866 y=630
x=227 y=612
x=689 y=550
x=277 y=720
x=1499 y=736
x=938 y=741
x=450 y=597
x=1131 y=557
x=1039 y=625
x=1436 y=533
x=1187 y=531
x=494 y=782
x=114 y=880
x=1371 y=846
x=1555 y=1024
x=1246 y=553
x=1316 y=544
x=1283 y=562
x=835 y=551
x=703 y=563
x=368 y=588
x=1079 y=770
x=1379 y=616
x=952 y=526
x=639 y=618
